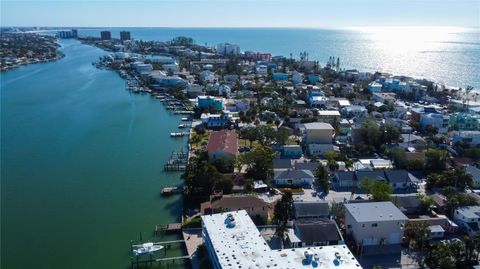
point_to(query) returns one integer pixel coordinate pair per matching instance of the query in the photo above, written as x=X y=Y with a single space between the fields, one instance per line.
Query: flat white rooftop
x=242 y=246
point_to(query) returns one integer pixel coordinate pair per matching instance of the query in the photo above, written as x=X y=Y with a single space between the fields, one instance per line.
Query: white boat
x=146 y=248
x=182 y=125
x=184 y=119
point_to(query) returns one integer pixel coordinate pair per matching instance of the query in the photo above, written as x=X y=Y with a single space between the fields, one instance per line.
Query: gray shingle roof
x=311 y=209
x=397 y=176
x=295 y=174
x=317 y=230
x=377 y=175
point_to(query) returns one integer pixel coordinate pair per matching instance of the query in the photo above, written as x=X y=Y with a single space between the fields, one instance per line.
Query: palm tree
x=468 y=90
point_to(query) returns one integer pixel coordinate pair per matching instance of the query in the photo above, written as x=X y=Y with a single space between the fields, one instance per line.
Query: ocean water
x=446 y=55
x=81 y=165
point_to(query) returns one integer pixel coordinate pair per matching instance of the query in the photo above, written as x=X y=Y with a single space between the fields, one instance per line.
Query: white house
x=471 y=138
x=436 y=120
x=374 y=87
x=294 y=177
x=375 y=223
x=297 y=77
x=207 y=76
x=468 y=218
x=318 y=133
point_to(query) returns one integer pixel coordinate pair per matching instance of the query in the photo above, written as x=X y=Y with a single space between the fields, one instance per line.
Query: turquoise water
x=447 y=55
x=81 y=165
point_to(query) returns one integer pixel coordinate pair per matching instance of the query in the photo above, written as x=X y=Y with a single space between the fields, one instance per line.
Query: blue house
x=210 y=101
x=280 y=76
x=314 y=78
x=292 y=151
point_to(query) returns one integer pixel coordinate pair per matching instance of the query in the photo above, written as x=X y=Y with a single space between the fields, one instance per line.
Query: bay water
x=81 y=164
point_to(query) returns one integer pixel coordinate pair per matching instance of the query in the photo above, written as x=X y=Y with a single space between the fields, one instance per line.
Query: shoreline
x=32 y=63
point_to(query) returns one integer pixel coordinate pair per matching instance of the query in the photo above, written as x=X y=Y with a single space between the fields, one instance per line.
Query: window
x=374 y=224
x=363 y=225
x=349 y=226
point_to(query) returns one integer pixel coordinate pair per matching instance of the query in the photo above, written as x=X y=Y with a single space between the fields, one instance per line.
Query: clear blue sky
x=241 y=13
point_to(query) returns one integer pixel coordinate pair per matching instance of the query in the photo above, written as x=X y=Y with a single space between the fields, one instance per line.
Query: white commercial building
x=233 y=241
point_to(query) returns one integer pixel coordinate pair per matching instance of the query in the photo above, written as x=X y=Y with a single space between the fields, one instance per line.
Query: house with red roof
x=222 y=144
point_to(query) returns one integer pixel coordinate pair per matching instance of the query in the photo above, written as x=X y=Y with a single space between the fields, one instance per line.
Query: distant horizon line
x=260 y=27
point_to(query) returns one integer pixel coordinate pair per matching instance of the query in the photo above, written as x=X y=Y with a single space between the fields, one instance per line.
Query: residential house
x=222 y=144
x=280 y=76
x=294 y=177
x=448 y=226
x=255 y=206
x=319 y=232
x=408 y=203
x=437 y=120
x=384 y=97
x=210 y=101
x=464 y=121
x=475 y=173
x=216 y=121
x=344 y=179
x=468 y=218
x=292 y=151
x=194 y=90
x=328 y=115
x=231 y=79
x=314 y=78
x=354 y=111
x=297 y=77
x=318 y=133
x=471 y=138
x=319 y=150
x=374 y=87
x=375 y=223
x=207 y=76
x=311 y=210
x=399 y=179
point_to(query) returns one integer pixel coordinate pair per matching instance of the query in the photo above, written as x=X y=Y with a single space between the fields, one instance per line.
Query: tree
x=259 y=162
x=426 y=202
x=332 y=157
x=321 y=175
x=399 y=158
x=440 y=256
x=224 y=165
x=379 y=189
x=435 y=160
x=417 y=234
x=283 y=212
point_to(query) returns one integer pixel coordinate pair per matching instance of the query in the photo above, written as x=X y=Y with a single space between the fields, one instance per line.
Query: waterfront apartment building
x=228 y=49
x=233 y=241
x=105 y=35
x=68 y=34
x=124 y=35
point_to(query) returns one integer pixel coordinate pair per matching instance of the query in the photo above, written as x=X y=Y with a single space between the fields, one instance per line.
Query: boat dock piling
x=177 y=162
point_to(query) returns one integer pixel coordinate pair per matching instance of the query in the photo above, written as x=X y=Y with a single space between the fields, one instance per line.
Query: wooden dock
x=168 y=228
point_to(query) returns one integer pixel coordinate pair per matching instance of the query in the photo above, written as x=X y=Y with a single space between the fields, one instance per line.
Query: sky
x=240 y=13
